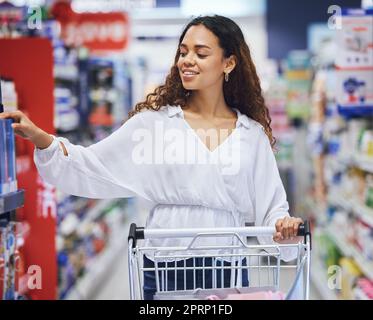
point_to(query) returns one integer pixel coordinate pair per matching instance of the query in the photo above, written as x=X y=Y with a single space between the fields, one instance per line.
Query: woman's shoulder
x=255 y=125
x=152 y=114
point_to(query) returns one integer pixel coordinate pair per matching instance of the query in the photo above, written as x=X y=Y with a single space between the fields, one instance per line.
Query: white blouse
x=156 y=155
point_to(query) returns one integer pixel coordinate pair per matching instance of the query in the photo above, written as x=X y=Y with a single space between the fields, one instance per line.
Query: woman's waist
x=192 y=216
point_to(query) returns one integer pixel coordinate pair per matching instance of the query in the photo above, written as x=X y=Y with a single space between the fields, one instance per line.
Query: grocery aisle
x=116 y=284
x=93 y=61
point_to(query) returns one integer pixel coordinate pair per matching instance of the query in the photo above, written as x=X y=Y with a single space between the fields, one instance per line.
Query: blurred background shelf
x=99 y=268
x=353 y=205
x=320 y=280
x=349 y=250
x=11 y=201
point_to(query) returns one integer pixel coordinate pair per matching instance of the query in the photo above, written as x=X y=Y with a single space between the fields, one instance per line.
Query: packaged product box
x=10 y=257
x=354 y=39
x=364 y=239
x=3 y=162
x=3 y=224
x=8 y=176
x=9 y=95
x=354 y=62
x=11 y=155
x=354 y=88
x=369 y=191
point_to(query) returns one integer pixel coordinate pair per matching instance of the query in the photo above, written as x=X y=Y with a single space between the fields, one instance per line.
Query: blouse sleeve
x=270 y=196
x=102 y=170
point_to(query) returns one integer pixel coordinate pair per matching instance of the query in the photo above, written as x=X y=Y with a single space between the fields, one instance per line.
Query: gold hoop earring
x=226 y=76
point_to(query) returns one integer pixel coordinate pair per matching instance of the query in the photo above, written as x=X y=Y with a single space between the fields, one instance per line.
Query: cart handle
x=140 y=233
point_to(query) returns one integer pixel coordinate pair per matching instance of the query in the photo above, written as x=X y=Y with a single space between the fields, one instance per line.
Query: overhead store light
x=189 y=8
x=236 y=8
x=28 y=3
x=367 y=4
x=94 y=6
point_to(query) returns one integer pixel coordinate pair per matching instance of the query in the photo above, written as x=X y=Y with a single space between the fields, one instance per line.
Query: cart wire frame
x=217 y=261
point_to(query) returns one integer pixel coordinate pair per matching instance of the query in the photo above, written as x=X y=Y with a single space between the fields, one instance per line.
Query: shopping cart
x=217 y=271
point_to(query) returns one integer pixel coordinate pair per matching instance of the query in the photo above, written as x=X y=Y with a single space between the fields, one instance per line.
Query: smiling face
x=201 y=62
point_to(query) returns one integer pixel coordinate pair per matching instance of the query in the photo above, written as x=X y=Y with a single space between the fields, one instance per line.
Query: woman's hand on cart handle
x=287 y=230
x=25 y=128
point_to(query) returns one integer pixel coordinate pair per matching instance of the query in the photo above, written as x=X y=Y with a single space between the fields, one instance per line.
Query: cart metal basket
x=217 y=271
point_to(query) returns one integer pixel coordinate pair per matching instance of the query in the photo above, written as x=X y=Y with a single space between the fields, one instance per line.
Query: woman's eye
x=202 y=56
x=182 y=54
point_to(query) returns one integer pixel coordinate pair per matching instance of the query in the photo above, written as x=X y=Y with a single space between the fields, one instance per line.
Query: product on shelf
x=354 y=88
x=369 y=191
x=10 y=18
x=8 y=178
x=298 y=76
x=364 y=239
x=86 y=229
x=350 y=274
x=66 y=73
x=9 y=95
x=354 y=40
x=102 y=97
x=8 y=254
x=354 y=63
x=332 y=254
x=3 y=232
x=363 y=289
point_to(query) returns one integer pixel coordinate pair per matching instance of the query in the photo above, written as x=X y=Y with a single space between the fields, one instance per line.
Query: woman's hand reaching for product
x=287 y=229
x=25 y=128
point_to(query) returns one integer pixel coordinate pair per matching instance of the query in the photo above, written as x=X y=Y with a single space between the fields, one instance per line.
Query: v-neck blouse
x=154 y=155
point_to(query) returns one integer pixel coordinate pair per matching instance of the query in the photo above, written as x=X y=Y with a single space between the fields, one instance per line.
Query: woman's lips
x=188 y=76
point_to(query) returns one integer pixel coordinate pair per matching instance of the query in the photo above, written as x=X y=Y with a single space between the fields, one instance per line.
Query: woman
x=199 y=147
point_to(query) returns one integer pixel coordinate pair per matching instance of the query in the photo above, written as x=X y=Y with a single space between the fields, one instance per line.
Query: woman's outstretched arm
x=102 y=170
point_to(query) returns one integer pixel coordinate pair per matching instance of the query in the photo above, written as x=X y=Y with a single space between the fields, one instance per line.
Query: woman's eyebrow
x=197 y=46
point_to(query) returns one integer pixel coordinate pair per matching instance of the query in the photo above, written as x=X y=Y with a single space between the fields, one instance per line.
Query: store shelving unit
x=346 y=163
x=99 y=267
x=37 y=213
x=360 y=161
x=10 y=202
x=360 y=295
x=320 y=280
x=350 y=251
x=90 y=216
x=352 y=205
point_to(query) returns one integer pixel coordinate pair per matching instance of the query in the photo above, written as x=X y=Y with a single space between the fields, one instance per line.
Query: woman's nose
x=189 y=60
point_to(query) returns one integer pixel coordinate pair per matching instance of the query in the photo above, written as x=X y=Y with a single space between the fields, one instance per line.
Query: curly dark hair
x=242 y=91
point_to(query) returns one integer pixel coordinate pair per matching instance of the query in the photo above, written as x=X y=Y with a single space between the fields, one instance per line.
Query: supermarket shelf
x=360 y=295
x=350 y=251
x=66 y=72
x=11 y=201
x=355 y=111
x=98 y=268
x=94 y=213
x=320 y=280
x=364 y=162
x=317 y=207
x=362 y=211
x=360 y=161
